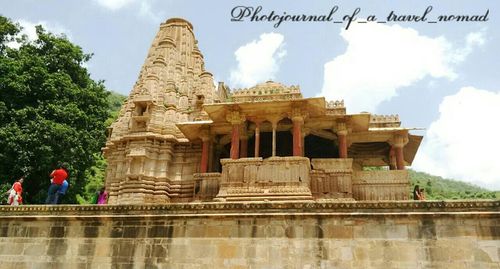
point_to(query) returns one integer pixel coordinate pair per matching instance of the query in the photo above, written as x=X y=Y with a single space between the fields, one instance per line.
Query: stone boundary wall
x=320 y=234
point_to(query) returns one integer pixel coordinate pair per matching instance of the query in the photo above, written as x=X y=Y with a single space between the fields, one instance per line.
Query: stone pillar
x=204 y=157
x=342 y=136
x=274 y=119
x=305 y=132
x=297 y=120
x=205 y=138
x=235 y=118
x=400 y=162
x=211 y=156
x=392 y=159
x=235 y=142
x=398 y=142
x=275 y=125
x=257 y=139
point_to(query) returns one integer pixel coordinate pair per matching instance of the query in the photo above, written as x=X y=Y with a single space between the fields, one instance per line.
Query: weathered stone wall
x=253 y=235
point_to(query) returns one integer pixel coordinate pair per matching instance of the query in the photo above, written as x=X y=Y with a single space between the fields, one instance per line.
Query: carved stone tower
x=149 y=159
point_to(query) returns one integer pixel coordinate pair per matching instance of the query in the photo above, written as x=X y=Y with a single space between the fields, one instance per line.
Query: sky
x=443 y=77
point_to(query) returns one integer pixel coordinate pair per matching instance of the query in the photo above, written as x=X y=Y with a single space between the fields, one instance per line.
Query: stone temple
x=181 y=138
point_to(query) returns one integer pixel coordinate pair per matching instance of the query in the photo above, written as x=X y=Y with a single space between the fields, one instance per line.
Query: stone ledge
x=277 y=207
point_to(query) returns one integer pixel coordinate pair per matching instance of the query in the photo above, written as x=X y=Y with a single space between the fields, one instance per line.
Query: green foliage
x=96 y=174
x=4 y=187
x=438 y=188
x=115 y=101
x=95 y=180
x=50 y=111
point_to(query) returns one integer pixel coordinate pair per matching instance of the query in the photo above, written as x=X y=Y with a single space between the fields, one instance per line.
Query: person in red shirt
x=15 y=197
x=58 y=177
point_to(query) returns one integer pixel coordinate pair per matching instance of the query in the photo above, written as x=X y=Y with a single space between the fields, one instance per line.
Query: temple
x=179 y=138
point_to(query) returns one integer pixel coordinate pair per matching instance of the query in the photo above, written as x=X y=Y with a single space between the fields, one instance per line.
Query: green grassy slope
x=438 y=188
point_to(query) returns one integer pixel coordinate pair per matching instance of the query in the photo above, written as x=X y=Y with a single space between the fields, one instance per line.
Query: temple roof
x=369 y=134
x=267 y=91
x=217 y=112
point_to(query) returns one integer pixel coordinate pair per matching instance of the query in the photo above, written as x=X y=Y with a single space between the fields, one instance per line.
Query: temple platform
x=314 y=234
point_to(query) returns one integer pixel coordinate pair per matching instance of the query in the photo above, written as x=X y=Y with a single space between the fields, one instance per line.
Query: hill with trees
x=438 y=188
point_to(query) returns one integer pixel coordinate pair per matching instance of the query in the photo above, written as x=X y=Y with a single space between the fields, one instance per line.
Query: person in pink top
x=102 y=198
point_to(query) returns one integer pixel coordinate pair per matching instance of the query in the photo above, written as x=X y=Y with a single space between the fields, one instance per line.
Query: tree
x=95 y=174
x=50 y=111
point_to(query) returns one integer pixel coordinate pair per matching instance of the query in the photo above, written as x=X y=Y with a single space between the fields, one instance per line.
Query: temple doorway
x=319 y=147
x=284 y=144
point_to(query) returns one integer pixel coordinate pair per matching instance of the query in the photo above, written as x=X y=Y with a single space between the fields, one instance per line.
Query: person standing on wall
x=102 y=198
x=58 y=177
x=422 y=194
x=416 y=193
x=61 y=192
x=15 y=193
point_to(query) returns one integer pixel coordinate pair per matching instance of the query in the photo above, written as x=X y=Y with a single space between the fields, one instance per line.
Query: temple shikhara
x=181 y=138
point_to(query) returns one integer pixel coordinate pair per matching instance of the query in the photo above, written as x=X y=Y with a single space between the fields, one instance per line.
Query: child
x=15 y=197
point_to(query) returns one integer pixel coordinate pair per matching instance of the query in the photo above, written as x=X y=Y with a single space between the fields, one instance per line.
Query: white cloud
x=30 y=31
x=146 y=11
x=144 y=7
x=380 y=59
x=258 y=60
x=114 y=4
x=463 y=142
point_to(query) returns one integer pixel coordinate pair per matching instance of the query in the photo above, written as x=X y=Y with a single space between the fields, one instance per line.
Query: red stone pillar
x=342 y=145
x=204 y=156
x=257 y=139
x=235 y=118
x=342 y=137
x=392 y=159
x=235 y=142
x=398 y=143
x=297 y=135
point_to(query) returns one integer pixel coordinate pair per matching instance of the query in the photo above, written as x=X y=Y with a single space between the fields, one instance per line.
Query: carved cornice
x=256 y=208
x=381 y=121
x=268 y=91
x=235 y=117
x=335 y=108
x=399 y=140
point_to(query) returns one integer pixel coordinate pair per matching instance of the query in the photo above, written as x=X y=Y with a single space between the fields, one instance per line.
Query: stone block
x=102 y=248
x=34 y=249
x=158 y=231
x=346 y=254
x=274 y=231
x=337 y=231
x=243 y=231
x=482 y=256
x=227 y=250
x=369 y=232
x=57 y=231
